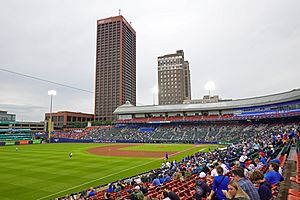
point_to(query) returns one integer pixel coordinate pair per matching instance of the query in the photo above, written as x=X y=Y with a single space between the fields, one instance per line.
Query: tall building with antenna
x=115 y=66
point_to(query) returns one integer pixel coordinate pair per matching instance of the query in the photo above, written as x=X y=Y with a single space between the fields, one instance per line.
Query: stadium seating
x=242 y=136
x=15 y=136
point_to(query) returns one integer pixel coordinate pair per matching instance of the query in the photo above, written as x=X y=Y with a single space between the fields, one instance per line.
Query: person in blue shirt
x=264 y=187
x=220 y=183
x=110 y=188
x=161 y=179
x=91 y=192
x=156 y=182
x=274 y=139
x=167 y=177
x=273 y=175
x=262 y=158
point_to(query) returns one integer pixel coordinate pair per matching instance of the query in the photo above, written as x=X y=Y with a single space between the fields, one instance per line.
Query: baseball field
x=45 y=171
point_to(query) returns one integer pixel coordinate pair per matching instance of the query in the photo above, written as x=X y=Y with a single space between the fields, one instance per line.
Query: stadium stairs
x=294 y=190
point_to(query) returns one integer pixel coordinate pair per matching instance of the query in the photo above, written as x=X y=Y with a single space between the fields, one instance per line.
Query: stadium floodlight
x=51 y=93
x=210 y=86
x=154 y=90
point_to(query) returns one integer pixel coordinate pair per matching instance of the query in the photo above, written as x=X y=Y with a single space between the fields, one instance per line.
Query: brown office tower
x=115 y=66
x=174 y=85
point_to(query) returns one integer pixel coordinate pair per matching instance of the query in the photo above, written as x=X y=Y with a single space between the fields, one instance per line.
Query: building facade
x=174 y=84
x=206 y=99
x=5 y=117
x=66 y=119
x=115 y=66
x=33 y=126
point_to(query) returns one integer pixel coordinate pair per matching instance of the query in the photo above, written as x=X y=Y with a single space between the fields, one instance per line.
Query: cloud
x=248 y=48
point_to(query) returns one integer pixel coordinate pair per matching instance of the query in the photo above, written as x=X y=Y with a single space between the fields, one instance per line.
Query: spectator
x=172 y=195
x=165 y=196
x=107 y=196
x=118 y=187
x=138 y=193
x=265 y=188
x=177 y=175
x=204 y=168
x=258 y=164
x=161 y=179
x=131 y=195
x=243 y=157
x=91 y=192
x=143 y=188
x=187 y=173
x=273 y=176
x=110 y=188
x=225 y=168
x=220 y=183
x=246 y=185
x=167 y=177
x=156 y=182
x=235 y=192
x=213 y=172
x=278 y=162
x=262 y=158
x=202 y=189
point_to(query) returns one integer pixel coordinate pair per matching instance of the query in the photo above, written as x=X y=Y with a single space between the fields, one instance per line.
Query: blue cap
x=275 y=161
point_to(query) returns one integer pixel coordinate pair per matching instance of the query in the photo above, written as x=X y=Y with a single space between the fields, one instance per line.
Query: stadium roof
x=292 y=95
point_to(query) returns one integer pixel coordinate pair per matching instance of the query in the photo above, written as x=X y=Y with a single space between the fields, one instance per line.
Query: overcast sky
x=248 y=48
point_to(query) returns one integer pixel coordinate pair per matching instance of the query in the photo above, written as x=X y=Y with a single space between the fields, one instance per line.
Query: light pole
x=51 y=93
x=154 y=92
x=210 y=86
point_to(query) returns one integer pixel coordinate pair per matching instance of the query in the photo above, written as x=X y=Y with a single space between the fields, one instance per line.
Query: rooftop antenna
x=119 y=11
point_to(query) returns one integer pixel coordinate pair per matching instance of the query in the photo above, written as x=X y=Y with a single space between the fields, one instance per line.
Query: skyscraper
x=174 y=85
x=115 y=66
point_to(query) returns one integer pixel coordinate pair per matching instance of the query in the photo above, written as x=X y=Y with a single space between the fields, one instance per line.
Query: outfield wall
x=21 y=142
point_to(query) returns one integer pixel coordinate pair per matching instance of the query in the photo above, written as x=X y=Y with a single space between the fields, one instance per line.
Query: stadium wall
x=21 y=142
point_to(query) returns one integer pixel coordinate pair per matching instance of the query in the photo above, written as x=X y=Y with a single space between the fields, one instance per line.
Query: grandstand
x=16 y=137
x=264 y=128
x=282 y=105
x=247 y=136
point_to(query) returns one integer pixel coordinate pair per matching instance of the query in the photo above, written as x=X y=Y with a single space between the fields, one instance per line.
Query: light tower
x=210 y=86
x=51 y=93
x=154 y=91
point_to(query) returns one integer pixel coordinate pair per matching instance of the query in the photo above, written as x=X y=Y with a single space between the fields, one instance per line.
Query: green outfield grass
x=45 y=171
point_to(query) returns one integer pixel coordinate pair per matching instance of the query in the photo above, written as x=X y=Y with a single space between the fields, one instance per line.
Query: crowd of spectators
x=183 y=134
x=247 y=170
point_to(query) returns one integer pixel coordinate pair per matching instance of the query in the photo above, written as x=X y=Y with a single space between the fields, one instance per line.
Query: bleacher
x=185 y=189
x=15 y=136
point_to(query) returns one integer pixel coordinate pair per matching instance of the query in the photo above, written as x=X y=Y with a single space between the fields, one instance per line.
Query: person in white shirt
x=168 y=164
x=243 y=157
x=213 y=172
x=225 y=169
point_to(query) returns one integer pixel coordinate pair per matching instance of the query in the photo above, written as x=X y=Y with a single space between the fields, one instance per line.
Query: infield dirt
x=116 y=150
